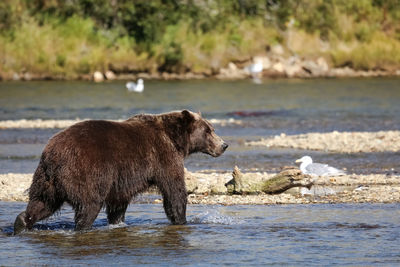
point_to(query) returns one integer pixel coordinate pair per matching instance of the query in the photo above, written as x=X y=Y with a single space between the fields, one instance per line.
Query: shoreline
x=210 y=189
x=337 y=74
x=337 y=142
x=273 y=67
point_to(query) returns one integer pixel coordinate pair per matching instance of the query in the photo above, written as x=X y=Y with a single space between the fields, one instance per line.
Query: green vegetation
x=75 y=37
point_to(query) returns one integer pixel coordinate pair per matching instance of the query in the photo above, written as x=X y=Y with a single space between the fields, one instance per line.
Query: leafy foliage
x=78 y=36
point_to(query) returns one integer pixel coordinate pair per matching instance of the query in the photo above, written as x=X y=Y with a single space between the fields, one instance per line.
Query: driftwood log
x=289 y=177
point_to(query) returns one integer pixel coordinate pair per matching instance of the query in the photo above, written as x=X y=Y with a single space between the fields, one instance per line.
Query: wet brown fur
x=103 y=163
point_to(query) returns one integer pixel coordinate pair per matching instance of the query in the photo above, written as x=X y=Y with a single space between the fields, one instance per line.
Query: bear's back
x=102 y=141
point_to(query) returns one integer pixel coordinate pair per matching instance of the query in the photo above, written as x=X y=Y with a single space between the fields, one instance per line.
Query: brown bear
x=97 y=163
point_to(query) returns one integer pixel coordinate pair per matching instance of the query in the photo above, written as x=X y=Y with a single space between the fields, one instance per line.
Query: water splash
x=115 y=226
x=214 y=217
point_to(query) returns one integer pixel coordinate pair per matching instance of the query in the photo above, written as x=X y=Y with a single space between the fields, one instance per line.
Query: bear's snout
x=219 y=149
x=224 y=146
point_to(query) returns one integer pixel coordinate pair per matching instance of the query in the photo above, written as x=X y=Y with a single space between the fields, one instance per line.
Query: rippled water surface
x=316 y=235
x=355 y=235
x=274 y=107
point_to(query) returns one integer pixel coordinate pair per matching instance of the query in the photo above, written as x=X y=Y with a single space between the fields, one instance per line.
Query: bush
x=80 y=36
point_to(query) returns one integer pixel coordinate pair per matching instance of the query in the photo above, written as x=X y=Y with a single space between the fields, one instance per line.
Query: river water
x=280 y=235
x=357 y=235
x=274 y=107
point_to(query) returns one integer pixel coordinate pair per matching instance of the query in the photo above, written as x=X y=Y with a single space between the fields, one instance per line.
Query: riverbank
x=273 y=66
x=210 y=188
x=74 y=40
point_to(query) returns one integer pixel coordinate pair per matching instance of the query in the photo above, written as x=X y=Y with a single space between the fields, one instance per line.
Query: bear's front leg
x=174 y=199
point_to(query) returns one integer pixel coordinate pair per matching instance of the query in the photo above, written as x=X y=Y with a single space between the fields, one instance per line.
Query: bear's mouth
x=216 y=153
x=212 y=153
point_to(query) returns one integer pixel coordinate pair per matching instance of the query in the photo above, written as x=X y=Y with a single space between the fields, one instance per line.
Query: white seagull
x=135 y=87
x=256 y=68
x=317 y=169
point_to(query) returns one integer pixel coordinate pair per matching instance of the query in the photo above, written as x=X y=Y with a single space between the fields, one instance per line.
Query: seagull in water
x=317 y=169
x=135 y=87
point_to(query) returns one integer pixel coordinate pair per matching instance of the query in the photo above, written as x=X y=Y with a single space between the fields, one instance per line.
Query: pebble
x=110 y=75
x=98 y=76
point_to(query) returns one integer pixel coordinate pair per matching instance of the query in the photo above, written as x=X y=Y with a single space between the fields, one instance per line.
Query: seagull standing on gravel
x=135 y=87
x=317 y=169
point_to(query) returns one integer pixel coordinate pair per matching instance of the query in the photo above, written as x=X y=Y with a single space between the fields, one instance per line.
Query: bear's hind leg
x=20 y=224
x=85 y=216
x=36 y=211
x=116 y=213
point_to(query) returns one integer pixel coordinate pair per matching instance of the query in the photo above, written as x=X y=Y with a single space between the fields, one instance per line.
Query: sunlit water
x=355 y=235
x=316 y=235
x=274 y=107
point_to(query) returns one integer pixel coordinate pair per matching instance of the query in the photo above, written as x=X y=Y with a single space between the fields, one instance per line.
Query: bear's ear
x=187 y=117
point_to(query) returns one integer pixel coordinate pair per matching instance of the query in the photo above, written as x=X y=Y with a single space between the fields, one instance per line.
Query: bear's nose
x=224 y=146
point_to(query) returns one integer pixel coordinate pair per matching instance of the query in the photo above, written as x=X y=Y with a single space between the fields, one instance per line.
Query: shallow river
x=280 y=235
x=356 y=235
x=274 y=107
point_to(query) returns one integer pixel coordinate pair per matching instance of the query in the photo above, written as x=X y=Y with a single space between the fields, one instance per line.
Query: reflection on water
x=115 y=241
x=361 y=234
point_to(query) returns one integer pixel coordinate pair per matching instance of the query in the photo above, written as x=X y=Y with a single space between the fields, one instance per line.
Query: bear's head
x=202 y=136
